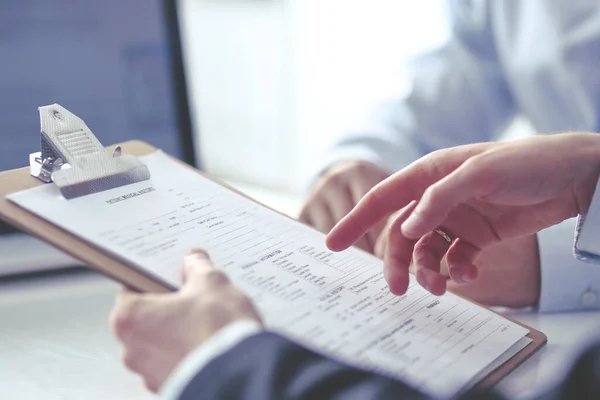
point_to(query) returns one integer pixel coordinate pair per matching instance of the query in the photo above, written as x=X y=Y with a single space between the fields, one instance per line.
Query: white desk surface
x=55 y=342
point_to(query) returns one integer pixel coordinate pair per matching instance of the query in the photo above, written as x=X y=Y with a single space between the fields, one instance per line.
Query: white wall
x=275 y=81
x=238 y=68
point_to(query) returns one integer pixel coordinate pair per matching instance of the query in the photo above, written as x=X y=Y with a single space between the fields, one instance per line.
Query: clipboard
x=92 y=256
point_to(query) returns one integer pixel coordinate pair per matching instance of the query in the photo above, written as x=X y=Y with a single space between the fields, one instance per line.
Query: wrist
x=587 y=172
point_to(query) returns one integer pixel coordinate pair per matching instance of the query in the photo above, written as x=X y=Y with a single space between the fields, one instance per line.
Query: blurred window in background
x=273 y=82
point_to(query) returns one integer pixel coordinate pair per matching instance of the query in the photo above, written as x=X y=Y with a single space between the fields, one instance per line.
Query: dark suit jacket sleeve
x=267 y=366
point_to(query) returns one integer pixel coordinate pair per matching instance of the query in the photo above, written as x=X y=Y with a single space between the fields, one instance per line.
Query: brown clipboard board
x=20 y=179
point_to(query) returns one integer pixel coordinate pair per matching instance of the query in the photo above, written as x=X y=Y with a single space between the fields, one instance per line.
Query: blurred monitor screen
x=116 y=64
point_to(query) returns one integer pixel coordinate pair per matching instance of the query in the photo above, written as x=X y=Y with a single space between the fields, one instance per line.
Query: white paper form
x=334 y=303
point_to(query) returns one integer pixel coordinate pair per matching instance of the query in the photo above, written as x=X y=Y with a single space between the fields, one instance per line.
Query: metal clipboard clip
x=74 y=159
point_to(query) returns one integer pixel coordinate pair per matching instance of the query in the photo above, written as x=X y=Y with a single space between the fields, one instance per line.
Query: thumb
x=195 y=261
x=200 y=274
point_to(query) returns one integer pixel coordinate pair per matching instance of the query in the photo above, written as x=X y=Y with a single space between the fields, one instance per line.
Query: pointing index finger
x=387 y=197
x=397 y=191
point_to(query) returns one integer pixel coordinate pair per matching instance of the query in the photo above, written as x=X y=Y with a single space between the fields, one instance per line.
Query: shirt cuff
x=578 y=250
x=587 y=234
x=567 y=284
x=219 y=343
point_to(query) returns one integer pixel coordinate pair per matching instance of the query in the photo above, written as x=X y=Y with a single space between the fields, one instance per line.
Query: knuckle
x=425 y=242
x=122 y=325
x=431 y=192
x=434 y=158
x=151 y=385
x=130 y=360
x=472 y=162
x=245 y=304
x=123 y=318
x=480 y=172
x=364 y=168
x=215 y=277
x=419 y=254
x=335 y=180
x=374 y=197
x=432 y=196
x=199 y=255
x=426 y=248
x=431 y=160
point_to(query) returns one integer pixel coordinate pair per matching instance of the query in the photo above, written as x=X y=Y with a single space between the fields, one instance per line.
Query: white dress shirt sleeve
x=222 y=341
x=457 y=95
x=567 y=283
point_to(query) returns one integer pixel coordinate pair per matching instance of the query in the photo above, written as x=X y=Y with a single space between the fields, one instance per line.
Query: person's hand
x=509 y=272
x=456 y=202
x=382 y=239
x=508 y=275
x=337 y=191
x=158 y=330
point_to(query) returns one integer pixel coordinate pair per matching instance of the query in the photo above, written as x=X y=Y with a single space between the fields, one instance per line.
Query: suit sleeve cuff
x=225 y=339
x=567 y=284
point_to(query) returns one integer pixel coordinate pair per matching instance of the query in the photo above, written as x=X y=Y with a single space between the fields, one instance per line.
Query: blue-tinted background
x=106 y=61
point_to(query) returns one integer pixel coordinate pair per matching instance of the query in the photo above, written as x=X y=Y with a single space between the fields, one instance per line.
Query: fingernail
x=386 y=274
x=410 y=227
x=465 y=278
x=197 y=252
